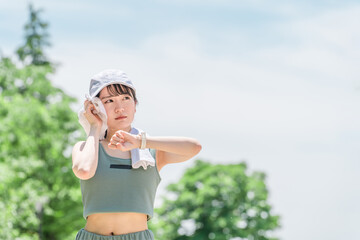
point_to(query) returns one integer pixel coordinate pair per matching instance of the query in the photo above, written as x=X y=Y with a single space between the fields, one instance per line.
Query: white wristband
x=143 y=140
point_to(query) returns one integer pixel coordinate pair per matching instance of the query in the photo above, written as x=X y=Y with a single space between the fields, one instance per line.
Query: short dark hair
x=118 y=89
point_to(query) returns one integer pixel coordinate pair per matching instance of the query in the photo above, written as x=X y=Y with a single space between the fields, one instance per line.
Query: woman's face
x=120 y=110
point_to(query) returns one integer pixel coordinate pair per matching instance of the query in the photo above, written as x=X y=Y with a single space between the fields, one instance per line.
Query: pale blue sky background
x=273 y=83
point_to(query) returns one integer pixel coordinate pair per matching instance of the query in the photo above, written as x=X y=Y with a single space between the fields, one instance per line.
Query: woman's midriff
x=116 y=223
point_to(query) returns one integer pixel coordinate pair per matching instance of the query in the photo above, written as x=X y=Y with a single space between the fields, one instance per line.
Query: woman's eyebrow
x=106 y=97
x=115 y=96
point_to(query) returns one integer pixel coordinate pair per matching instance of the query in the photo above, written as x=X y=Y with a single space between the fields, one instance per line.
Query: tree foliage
x=216 y=202
x=40 y=197
x=36 y=38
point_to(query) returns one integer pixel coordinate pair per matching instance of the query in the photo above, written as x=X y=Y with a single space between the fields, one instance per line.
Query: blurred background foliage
x=218 y=202
x=40 y=198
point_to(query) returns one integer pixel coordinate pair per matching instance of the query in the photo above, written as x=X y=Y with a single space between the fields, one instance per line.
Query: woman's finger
x=116 y=138
x=111 y=146
x=86 y=104
x=121 y=147
x=91 y=108
x=119 y=134
x=113 y=142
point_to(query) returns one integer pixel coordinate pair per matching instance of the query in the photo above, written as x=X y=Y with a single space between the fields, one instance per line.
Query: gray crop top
x=116 y=187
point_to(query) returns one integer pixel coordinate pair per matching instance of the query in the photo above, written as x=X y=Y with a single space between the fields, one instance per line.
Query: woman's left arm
x=173 y=149
x=169 y=149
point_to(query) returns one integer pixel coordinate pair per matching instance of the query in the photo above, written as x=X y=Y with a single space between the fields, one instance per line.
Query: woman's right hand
x=91 y=114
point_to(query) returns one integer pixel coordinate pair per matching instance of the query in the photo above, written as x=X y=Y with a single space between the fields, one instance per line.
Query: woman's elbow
x=197 y=147
x=82 y=173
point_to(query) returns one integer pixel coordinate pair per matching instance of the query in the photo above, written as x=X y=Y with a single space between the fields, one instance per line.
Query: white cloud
x=334 y=28
x=325 y=49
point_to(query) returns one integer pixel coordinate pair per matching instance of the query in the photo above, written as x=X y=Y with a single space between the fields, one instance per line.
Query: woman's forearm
x=179 y=145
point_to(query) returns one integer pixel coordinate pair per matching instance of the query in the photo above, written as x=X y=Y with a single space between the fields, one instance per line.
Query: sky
x=275 y=84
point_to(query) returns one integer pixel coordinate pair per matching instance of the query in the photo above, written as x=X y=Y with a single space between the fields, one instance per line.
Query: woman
x=117 y=194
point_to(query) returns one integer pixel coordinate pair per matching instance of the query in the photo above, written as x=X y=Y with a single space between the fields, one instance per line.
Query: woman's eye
x=127 y=98
x=107 y=101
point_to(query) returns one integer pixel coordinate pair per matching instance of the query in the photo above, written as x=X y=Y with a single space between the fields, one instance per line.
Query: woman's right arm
x=85 y=153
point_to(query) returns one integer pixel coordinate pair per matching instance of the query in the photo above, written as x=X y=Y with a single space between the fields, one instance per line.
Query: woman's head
x=118 y=96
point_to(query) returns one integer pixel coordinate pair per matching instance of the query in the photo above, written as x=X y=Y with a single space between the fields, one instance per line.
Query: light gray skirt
x=142 y=235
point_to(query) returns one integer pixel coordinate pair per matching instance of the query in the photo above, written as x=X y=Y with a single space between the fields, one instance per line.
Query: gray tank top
x=117 y=187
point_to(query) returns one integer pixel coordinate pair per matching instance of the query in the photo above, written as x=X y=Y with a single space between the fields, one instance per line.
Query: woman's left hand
x=124 y=141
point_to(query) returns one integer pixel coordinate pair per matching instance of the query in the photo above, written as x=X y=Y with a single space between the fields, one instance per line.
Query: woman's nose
x=119 y=107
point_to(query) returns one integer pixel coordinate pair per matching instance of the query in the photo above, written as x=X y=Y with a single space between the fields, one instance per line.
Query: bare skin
x=109 y=224
x=120 y=111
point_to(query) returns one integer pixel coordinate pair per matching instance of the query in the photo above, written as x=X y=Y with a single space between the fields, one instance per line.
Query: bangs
x=119 y=89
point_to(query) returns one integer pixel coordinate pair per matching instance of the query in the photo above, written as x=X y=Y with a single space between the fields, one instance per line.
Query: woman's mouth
x=120 y=118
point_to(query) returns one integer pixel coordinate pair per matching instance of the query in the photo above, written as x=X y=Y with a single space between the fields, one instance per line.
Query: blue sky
x=273 y=83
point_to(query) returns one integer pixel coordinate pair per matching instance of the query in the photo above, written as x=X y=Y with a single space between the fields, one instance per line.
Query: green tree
x=39 y=196
x=216 y=202
x=36 y=37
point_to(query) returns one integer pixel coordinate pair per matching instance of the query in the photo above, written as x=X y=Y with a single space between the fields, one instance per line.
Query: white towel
x=99 y=110
x=139 y=157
